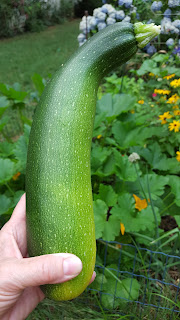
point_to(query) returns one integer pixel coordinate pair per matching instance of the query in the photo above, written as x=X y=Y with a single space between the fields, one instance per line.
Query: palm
x=13 y=245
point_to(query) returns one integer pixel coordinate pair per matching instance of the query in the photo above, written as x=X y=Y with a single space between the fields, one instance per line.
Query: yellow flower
x=99 y=136
x=175 y=83
x=174 y=126
x=177 y=112
x=178 y=156
x=169 y=76
x=122 y=228
x=140 y=204
x=16 y=176
x=162 y=91
x=132 y=111
x=173 y=99
x=163 y=117
x=141 y=101
x=151 y=74
x=176 y=107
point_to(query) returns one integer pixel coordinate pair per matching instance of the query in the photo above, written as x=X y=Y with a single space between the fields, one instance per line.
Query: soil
x=168 y=223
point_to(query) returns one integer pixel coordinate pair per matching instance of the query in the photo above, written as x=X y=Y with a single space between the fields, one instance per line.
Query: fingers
x=30 y=272
x=19 y=213
x=93 y=277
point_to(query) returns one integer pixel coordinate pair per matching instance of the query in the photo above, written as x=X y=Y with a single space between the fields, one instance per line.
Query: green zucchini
x=58 y=176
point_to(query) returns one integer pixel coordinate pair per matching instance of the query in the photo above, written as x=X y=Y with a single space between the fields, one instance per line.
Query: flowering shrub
x=128 y=11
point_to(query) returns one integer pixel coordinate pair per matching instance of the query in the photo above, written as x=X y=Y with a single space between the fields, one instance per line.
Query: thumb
x=45 y=269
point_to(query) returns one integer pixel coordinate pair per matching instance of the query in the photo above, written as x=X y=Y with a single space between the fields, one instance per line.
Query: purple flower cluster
x=102 y=17
x=156 y=6
x=108 y=15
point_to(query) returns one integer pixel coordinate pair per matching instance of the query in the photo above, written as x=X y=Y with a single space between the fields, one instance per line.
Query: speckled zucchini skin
x=58 y=176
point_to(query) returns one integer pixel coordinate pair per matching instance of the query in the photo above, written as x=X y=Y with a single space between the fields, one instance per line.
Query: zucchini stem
x=144 y=33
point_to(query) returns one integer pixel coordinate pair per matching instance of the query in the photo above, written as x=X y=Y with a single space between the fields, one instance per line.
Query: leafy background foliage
x=136 y=195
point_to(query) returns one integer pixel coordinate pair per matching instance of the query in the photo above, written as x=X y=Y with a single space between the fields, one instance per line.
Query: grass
x=42 y=52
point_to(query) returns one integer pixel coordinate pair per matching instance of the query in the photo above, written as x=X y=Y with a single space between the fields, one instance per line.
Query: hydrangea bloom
x=96 y=11
x=176 y=23
x=93 y=23
x=110 y=21
x=127 y=19
x=156 y=6
x=107 y=8
x=120 y=15
x=151 y=50
x=128 y=3
x=81 y=37
x=120 y=2
x=84 y=27
x=101 y=25
x=101 y=16
x=170 y=42
x=167 y=13
x=112 y=14
x=173 y=3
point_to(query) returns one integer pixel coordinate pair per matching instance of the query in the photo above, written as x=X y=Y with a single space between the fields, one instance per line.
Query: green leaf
x=20 y=149
x=156 y=183
x=100 y=214
x=3 y=121
x=124 y=168
x=97 y=283
x=129 y=134
x=112 y=106
x=4 y=104
x=98 y=156
x=123 y=103
x=6 y=149
x=118 y=292
x=111 y=228
x=174 y=183
x=38 y=83
x=133 y=220
x=177 y=217
x=7 y=170
x=147 y=66
x=12 y=93
x=5 y=204
x=107 y=194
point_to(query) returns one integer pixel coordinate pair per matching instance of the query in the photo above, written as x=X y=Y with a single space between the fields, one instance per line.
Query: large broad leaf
x=147 y=66
x=111 y=228
x=133 y=220
x=119 y=292
x=20 y=149
x=98 y=156
x=100 y=214
x=7 y=170
x=5 y=203
x=107 y=194
x=153 y=184
x=99 y=126
x=4 y=104
x=6 y=149
x=112 y=106
x=124 y=168
x=174 y=183
x=13 y=93
x=129 y=134
x=38 y=83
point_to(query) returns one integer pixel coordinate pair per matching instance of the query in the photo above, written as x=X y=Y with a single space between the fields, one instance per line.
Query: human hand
x=20 y=277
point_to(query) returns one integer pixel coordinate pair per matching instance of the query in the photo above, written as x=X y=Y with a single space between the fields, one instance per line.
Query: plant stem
x=170 y=205
x=9 y=188
x=139 y=180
